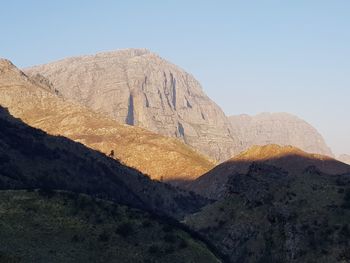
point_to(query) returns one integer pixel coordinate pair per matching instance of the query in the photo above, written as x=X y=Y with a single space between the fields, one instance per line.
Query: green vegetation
x=49 y=226
x=268 y=216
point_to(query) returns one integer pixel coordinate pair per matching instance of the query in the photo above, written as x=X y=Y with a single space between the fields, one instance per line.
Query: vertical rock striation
x=137 y=87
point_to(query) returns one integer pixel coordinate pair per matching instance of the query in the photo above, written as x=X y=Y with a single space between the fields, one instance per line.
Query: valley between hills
x=121 y=157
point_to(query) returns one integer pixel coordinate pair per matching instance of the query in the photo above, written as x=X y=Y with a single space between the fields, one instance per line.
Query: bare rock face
x=345 y=158
x=278 y=128
x=137 y=87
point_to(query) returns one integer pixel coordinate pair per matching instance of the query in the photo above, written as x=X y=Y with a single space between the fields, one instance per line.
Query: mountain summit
x=137 y=87
x=278 y=128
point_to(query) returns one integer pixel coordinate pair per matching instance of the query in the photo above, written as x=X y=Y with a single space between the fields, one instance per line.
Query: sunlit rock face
x=137 y=87
x=278 y=128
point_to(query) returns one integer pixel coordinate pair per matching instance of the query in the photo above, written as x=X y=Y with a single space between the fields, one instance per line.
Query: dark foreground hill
x=47 y=226
x=293 y=208
x=30 y=158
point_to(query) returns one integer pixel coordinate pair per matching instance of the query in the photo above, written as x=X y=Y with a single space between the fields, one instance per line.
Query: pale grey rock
x=278 y=128
x=345 y=158
x=137 y=87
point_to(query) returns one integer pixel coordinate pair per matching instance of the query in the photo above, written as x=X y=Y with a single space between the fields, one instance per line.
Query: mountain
x=48 y=226
x=31 y=158
x=39 y=105
x=137 y=87
x=279 y=204
x=45 y=224
x=278 y=128
x=345 y=158
x=288 y=158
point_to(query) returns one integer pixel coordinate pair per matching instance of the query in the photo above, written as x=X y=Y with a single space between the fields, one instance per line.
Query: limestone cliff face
x=137 y=87
x=278 y=128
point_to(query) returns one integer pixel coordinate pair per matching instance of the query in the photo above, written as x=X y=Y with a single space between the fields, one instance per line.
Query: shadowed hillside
x=289 y=158
x=292 y=207
x=30 y=158
x=47 y=226
x=37 y=104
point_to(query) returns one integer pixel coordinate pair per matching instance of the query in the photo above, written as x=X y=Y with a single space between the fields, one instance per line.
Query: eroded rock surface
x=278 y=128
x=137 y=87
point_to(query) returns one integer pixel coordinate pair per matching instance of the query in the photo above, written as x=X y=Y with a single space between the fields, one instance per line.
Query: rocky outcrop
x=137 y=87
x=278 y=128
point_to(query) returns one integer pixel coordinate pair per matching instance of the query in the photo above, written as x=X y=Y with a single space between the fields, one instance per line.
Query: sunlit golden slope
x=158 y=156
x=288 y=158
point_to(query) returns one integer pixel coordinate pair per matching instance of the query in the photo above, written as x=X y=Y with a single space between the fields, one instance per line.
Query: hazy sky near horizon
x=250 y=56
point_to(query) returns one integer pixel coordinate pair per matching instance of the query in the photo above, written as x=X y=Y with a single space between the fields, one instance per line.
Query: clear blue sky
x=250 y=56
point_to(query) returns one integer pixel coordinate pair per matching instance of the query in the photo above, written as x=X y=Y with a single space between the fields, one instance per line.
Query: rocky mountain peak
x=5 y=64
x=278 y=128
x=137 y=87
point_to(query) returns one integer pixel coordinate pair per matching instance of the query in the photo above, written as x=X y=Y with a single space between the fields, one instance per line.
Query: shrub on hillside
x=169 y=238
x=125 y=229
x=346 y=201
x=154 y=249
x=104 y=237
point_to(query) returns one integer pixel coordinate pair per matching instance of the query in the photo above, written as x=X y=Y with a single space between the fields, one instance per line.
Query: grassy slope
x=65 y=227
